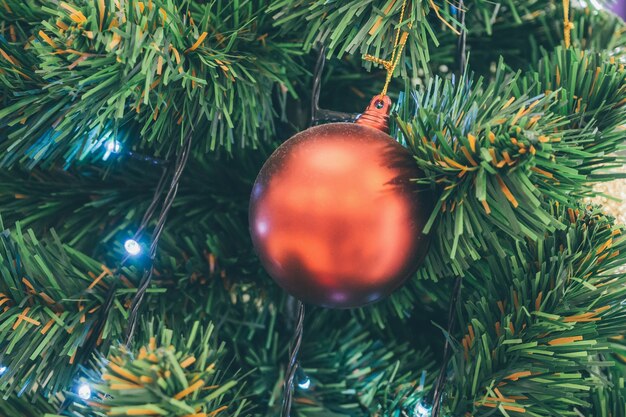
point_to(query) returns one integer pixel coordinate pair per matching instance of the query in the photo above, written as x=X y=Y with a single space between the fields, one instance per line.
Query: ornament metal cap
x=376 y=115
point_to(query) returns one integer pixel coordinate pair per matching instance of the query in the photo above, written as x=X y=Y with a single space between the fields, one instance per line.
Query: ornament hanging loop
x=376 y=115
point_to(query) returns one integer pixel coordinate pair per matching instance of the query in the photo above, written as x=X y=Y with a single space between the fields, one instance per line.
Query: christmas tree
x=131 y=134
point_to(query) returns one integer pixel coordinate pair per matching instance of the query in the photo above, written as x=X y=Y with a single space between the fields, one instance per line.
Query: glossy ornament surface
x=334 y=215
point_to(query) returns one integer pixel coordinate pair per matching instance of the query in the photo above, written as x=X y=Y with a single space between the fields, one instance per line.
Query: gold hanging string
x=399 y=43
x=440 y=17
x=398 y=46
x=567 y=24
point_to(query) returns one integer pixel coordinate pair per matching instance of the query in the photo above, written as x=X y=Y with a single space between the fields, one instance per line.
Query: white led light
x=305 y=384
x=3 y=369
x=84 y=391
x=132 y=247
x=422 y=410
x=113 y=146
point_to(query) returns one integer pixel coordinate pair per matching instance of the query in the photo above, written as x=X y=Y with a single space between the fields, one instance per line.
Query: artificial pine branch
x=516 y=29
x=537 y=323
x=51 y=295
x=360 y=363
x=610 y=402
x=173 y=374
x=101 y=66
x=362 y=27
x=381 y=377
x=498 y=151
x=359 y=27
x=93 y=208
x=352 y=370
x=70 y=83
x=522 y=44
x=28 y=405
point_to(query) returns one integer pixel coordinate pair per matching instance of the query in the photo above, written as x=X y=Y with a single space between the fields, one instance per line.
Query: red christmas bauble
x=334 y=215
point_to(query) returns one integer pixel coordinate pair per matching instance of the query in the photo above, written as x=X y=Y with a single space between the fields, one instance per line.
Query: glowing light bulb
x=113 y=146
x=305 y=384
x=132 y=247
x=84 y=391
x=422 y=410
x=3 y=369
x=302 y=380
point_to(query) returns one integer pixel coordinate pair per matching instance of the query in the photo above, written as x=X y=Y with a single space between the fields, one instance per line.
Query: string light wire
x=179 y=167
x=292 y=365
